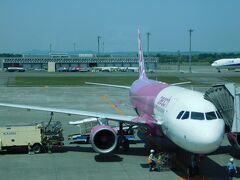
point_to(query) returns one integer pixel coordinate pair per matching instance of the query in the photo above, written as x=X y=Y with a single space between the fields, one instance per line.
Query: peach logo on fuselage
x=163 y=101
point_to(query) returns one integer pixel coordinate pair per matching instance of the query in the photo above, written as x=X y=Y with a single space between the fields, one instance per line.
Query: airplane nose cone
x=213 y=64
x=209 y=139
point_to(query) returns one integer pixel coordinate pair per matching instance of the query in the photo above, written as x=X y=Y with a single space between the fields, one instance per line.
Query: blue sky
x=34 y=24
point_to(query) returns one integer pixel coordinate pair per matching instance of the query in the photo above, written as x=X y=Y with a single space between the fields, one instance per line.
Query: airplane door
x=169 y=115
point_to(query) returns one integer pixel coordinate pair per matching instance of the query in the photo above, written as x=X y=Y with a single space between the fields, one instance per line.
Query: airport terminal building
x=33 y=62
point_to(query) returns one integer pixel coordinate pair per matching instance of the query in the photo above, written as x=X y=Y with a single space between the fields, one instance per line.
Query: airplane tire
x=126 y=145
x=189 y=171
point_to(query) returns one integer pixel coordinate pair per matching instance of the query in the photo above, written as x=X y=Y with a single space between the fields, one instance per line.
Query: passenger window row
x=199 y=115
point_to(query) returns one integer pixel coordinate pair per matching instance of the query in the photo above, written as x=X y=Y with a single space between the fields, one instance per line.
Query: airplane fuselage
x=186 y=118
x=226 y=63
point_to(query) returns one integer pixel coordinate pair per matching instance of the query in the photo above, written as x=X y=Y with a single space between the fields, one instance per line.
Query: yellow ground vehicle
x=39 y=136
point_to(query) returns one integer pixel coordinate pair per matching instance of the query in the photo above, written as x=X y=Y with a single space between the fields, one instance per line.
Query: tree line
x=196 y=57
x=10 y=55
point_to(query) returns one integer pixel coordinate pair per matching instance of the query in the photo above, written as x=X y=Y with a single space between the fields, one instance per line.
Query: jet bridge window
x=197 y=115
x=210 y=115
x=180 y=114
x=186 y=115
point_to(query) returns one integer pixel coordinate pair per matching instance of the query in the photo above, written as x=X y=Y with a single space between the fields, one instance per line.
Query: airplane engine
x=234 y=139
x=103 y=139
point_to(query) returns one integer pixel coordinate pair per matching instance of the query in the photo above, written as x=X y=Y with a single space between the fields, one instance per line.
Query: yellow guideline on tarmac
x=108 y=101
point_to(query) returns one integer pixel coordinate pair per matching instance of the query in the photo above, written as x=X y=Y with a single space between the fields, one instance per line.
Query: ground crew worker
x=29 y=148
x=151 y=160
x=232 y=170
x=159 y=161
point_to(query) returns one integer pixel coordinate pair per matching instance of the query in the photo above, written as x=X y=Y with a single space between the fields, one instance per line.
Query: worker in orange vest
x=151 y=160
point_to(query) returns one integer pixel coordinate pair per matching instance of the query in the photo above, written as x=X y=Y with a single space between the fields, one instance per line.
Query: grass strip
x=79 y=81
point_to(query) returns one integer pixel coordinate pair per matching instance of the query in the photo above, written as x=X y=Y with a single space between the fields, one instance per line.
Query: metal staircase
x=226 y=99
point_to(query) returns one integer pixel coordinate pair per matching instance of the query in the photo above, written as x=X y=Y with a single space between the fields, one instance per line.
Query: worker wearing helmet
x=151 y=160
x=232 y=170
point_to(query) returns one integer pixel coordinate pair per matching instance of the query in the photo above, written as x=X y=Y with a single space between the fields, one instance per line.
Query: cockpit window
x=180 y=114
x=197 y=115
x=186 y=115
x=211 y=115
x=219 y=115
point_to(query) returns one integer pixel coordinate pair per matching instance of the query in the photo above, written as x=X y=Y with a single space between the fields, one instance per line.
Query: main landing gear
x=123 y=142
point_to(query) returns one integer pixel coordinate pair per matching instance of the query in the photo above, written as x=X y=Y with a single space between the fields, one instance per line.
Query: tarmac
x=80 y=161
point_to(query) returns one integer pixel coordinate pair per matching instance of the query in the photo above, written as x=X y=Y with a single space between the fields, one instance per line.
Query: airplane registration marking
x=9 y=133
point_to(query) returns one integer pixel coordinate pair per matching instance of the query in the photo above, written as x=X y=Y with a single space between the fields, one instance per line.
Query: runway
x=80 y=161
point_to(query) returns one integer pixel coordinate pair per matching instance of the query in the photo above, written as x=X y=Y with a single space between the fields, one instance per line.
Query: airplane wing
x=181 y=83
x=108 y=85
x=119 y=118
x=128 y=87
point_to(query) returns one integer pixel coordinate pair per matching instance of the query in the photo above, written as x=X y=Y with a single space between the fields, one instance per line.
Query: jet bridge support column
x=235 y=92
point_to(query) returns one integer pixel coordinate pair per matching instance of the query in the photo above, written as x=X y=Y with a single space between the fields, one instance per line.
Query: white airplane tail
x=142 y=72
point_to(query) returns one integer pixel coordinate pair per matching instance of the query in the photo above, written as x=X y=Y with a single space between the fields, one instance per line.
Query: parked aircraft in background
x=132 y=69
x=115 y=69
x=15 y=69
x=163 y=111
x=229 y=64
x=73 y=69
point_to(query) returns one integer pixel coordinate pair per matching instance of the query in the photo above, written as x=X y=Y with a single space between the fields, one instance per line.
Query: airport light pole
x=98 y=39
x=50 y=49
x=103 y=47
x=148 y=34
x=190 y=50
x=179 y=59
x=74 y=47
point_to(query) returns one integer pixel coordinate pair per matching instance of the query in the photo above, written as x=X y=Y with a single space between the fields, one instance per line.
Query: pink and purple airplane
x=181 y=115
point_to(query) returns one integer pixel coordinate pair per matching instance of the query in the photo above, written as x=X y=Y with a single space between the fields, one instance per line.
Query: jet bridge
x=226 y=98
